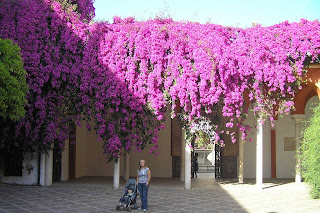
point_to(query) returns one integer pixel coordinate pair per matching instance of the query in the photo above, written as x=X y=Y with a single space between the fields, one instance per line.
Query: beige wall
x=90 y=160
x=161 y=165
x=249 y=150
x=285 y=160
x=65 y=162
x=80 y=151
x=286 y=128
x=96 y=164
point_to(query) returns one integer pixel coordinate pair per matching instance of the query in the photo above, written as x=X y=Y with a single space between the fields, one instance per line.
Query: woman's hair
x=140 y=165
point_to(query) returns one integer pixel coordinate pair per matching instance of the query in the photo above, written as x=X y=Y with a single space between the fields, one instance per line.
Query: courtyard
x=95 y=194
x=243 y=94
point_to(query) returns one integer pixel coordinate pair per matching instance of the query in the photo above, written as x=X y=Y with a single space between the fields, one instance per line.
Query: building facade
x=270 y=155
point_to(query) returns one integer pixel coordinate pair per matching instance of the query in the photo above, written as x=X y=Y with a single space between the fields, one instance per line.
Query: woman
x=143 y=179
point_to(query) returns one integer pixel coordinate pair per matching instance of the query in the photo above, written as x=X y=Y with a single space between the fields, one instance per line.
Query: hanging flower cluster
x=52 y=42
x=124 y=75
x=205 y=125
x=123 y=117
x=205 y=132
x=200 y=66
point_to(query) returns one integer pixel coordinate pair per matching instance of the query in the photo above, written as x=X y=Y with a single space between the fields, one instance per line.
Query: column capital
x=298 y=117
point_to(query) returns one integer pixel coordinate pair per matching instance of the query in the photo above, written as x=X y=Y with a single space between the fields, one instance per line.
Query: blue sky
x=237 y=13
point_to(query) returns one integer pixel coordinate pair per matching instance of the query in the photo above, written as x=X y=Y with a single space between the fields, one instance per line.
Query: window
x=13 y=164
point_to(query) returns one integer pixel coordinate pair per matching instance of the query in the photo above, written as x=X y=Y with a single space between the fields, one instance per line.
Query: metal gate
x=218 y=163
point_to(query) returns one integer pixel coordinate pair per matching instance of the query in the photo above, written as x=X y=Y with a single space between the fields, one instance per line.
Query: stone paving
x=95 y=194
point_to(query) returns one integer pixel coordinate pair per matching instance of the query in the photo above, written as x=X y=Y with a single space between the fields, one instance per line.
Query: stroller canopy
x=131 y=184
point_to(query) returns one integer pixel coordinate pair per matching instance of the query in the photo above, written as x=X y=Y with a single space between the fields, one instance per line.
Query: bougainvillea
x=123 y=119
x=51 y=41
x=200 y=66
x=125 y=75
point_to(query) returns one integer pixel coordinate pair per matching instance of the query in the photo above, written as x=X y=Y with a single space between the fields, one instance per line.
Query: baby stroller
x=129 y=199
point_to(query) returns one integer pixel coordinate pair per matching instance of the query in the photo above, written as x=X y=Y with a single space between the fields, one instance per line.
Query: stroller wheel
x=128 y=209
x=118 y=208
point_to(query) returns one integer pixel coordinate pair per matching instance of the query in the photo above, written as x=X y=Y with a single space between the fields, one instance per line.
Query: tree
x=13 y=86
x=310 y=153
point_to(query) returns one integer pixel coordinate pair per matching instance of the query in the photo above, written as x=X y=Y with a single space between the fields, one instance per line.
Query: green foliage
x=77 y=6
x=13 y=86
x=67 y=4
x=310 y=153
x=202 y=140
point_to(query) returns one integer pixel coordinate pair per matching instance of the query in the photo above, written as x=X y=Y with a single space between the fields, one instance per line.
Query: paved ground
x=95 y=194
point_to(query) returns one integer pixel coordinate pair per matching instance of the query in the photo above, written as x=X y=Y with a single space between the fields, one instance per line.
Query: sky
x=236 y=13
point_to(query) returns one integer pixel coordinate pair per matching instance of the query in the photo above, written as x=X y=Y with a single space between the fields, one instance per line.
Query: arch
x=313 y=77
x=310 y=89
x=302 y=98
x=309 y=96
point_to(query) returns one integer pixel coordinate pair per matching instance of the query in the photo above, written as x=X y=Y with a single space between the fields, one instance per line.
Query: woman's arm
x=149 y=176
x=137 y=177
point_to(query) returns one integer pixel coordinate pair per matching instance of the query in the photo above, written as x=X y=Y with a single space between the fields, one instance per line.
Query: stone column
x=213 y=156
x=49 y=168
x=182 y=154
x=240 y=163
x=187 y=168
x=273 y=151
x=42 y=169
x=297 y=118
x=116 y=174
x=259 y=155
x=126 y=166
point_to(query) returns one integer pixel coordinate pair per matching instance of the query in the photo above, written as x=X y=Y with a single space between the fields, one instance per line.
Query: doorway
x=56 y=171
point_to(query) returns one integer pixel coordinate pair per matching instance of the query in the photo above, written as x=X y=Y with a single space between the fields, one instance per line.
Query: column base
x=298 y=179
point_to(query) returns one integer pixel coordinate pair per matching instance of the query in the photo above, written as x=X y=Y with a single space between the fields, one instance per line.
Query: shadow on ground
x=95 y=194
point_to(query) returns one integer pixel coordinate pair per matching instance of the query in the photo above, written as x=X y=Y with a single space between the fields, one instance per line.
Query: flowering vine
x=201 y=66
x=125 y=75
x=51 y=41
